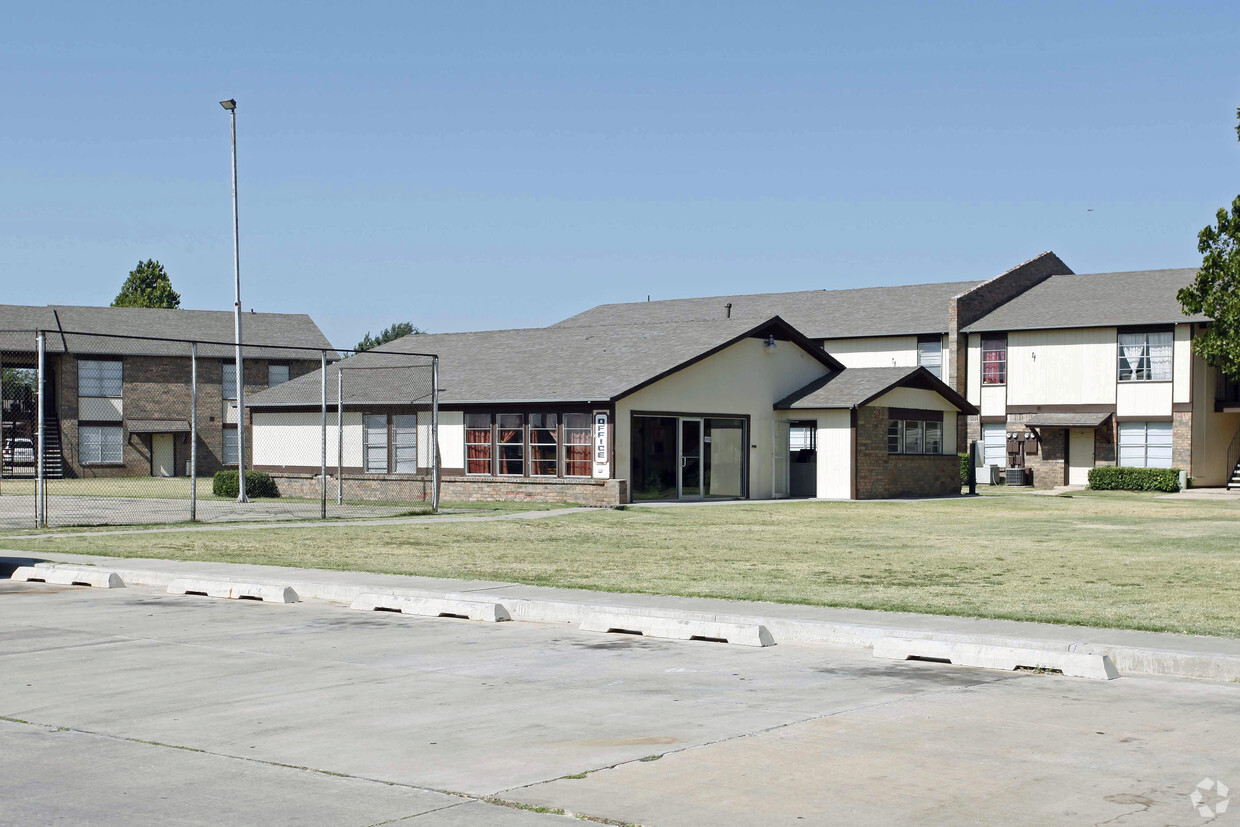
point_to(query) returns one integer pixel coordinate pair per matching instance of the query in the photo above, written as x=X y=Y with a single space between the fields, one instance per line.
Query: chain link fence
x=121 y=430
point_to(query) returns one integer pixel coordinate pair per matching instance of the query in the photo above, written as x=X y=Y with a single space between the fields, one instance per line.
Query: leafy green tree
x=1216 y=290
x=148 y=285
x=389 y=334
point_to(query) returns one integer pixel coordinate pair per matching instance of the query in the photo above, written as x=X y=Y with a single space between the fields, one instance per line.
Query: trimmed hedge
x=1118 y=478
x=257 y=484
x=964 y=468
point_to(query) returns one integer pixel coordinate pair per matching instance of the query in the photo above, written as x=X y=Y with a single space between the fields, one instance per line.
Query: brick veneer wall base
x=417 y=488
x=881 y=475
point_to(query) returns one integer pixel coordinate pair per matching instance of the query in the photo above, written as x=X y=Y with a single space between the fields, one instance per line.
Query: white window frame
x=101 y=378
x=101 y=444
x=230 y=448
x=935 y=440
x=930 y=355
x=1136 y=449
x=1003 y=363
x=373 y=449
x=895 y=430
x=405 y=443
x=1154 y=360
x=273 y=369
x=228 y=382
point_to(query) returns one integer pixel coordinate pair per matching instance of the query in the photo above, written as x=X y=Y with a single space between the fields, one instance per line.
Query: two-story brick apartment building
x=1098 y=369
x=117 y=388
x=1051 y=359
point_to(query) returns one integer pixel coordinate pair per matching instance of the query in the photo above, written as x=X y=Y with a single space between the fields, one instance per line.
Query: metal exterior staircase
x=1233 y=462
x=53 y=453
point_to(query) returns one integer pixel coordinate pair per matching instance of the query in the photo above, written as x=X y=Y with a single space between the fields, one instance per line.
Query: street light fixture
x=231 y=106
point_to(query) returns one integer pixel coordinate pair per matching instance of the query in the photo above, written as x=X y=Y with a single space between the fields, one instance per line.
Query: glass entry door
x=690 y=459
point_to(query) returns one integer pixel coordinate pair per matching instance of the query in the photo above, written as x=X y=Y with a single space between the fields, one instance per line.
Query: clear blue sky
x=470 y=165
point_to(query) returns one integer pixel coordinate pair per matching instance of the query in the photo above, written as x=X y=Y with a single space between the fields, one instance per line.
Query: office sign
x=602 y=458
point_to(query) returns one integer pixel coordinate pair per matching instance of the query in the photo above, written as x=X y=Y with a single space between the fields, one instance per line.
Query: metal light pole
x=231 y=106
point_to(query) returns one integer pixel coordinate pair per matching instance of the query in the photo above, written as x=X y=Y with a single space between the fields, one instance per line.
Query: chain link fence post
x=193 y=432
x=323 y=436
x=40 y=508
x=340 y=436
x=435 y=462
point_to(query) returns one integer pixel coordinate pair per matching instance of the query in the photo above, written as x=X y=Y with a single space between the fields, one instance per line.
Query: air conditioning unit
x=1016 y=476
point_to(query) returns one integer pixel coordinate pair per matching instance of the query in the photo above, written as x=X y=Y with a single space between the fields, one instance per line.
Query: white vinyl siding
x=100 y=379
x=994 y=445
x=101 y=444
x=1145 y=444
x=405 y=443
x=230 y=446
x=375 y=440
x=276 y=375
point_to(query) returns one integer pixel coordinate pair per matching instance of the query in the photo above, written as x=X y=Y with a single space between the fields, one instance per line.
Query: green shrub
x=964 y=468
x=1117 y=478
x=257 y=484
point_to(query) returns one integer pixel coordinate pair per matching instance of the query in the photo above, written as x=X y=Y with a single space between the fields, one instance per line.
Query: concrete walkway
x=244 y=526
x=1193 y=656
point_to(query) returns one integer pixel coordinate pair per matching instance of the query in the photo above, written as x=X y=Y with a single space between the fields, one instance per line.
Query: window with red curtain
x=994 y=360
x=578 y=445
x=478 y=443
x=510 y=444
x=544 y=444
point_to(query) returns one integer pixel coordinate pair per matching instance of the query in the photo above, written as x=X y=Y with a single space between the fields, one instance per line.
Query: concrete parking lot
x=134 y=707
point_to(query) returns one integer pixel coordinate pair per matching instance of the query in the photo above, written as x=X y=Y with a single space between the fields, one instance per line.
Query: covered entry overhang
x=1067 y=420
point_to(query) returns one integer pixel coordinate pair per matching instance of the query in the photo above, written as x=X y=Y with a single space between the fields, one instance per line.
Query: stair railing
x=1233 y=457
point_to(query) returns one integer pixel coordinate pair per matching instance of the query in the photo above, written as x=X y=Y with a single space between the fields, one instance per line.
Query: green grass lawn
x=1103 y=559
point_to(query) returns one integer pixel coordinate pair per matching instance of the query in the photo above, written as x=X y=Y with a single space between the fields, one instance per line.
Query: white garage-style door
x=994 y=445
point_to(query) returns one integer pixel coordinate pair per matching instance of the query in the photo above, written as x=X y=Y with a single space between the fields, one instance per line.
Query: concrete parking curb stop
x=64 y=576
x=1006 y=658
x=682 y=628
x=1172 y=656
x=487 y=611
x=266 y=592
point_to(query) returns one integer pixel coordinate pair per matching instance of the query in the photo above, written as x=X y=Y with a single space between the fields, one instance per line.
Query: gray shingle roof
x=855 y=387
x=287 y=329
x=571 y=364
x=819 y=314
x=1094 y=300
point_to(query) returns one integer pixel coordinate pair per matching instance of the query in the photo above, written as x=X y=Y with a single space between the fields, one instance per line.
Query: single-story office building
x=612 y=414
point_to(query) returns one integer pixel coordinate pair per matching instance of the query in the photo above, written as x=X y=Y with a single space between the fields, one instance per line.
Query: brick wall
x=968 y=307
x=883 y=475
x=1182 y=441
x=417 y=488
x=1048 y=467
x=158 y=387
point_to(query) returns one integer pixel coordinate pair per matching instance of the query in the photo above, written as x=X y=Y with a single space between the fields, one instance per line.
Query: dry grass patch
x=1114 y=559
